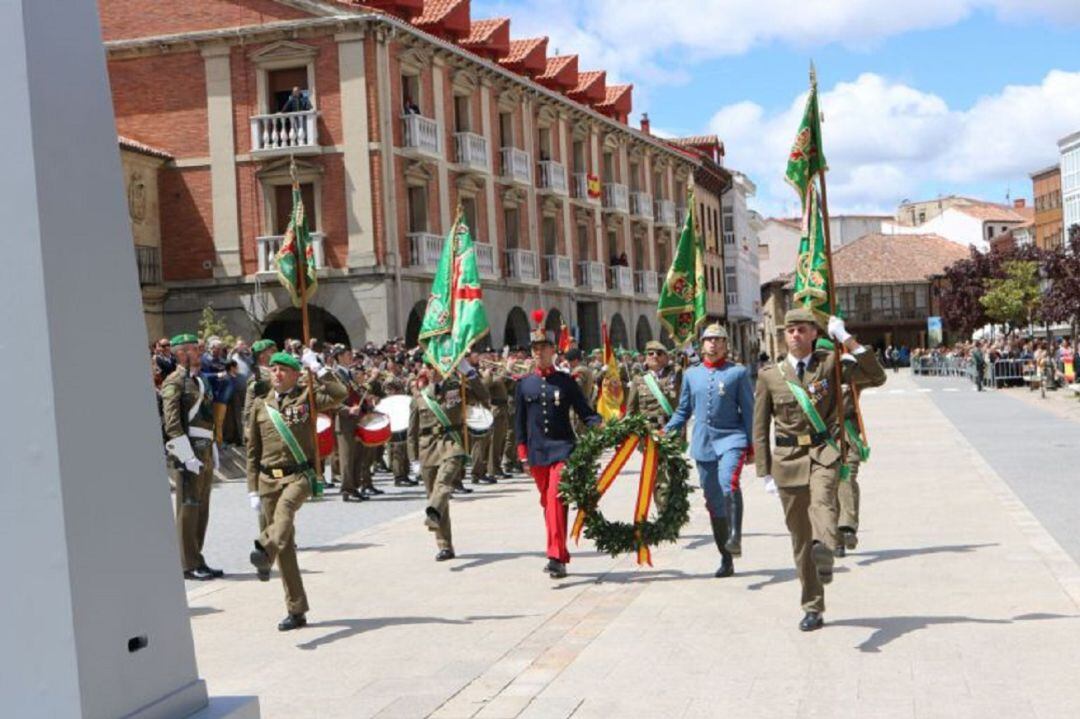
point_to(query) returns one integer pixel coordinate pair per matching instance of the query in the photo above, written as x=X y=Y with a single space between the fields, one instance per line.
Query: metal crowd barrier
x=945 y=367
x=1010 y=372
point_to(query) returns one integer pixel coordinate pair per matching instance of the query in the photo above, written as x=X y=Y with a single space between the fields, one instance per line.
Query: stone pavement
x=956 y=604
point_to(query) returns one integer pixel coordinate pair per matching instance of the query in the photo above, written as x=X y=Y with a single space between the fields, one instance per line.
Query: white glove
x=216 y=456
x=193 y=465
x=837 y=330
x=254 y=501
x=310 y=361
x=770 y=485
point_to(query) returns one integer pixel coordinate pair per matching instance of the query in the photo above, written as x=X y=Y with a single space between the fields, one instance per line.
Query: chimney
x=1019 y=203
x=645 y=123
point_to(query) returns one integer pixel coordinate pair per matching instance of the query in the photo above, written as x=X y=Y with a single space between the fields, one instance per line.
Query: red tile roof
x=127 y=143
x=404 y=9
x=695 y=140
x=449 y=16
x=991 y=212
x=615 y=93
x=555 y=65
x=488 y=38
x=520 y=50
x=890 y=259
x=481 y=31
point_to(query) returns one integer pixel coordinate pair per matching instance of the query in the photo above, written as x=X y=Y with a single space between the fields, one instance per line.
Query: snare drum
x=479 y=420
x=373 y=429
x=324 y=429
x=396 y=407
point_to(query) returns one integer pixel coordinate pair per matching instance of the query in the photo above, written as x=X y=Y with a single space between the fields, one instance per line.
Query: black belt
x=284 y=470
x=801 y=440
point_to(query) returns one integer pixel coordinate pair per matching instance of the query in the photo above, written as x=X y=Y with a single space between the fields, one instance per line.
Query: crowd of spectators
x=1004 y=361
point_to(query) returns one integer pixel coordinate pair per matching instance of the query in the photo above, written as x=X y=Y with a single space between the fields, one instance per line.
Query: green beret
x=184 y=339
x=262 y=346
x=714 y=330
x=655 y=346
x=800 y=314
x=286 y=359
x=825 y=344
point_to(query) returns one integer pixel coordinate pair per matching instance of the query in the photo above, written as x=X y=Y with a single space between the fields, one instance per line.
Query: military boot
x=735 y=512
x=720 y=535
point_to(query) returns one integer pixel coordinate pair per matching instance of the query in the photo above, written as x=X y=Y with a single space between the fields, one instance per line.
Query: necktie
x=800 y=369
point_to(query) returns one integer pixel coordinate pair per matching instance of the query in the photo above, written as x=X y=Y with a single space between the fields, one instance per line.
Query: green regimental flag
x=455 y=317
x=807 y=159
x=812 y=265
x=681 y=308
x=297 y=244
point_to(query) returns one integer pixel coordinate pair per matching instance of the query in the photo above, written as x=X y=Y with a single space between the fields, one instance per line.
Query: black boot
x=735 y=510
x=720 y=536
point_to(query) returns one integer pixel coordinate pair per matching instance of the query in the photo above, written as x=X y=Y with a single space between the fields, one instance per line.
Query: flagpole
x=838 y=377
x=305 y=330
x=453 y=320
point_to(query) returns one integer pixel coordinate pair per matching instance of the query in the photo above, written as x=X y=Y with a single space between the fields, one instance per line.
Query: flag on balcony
x=807 y=160
x=564 y=338
x=455 y=317
x=812 y=264
x=682 y=298
x=594 y=187
x=610 y=402
x=297 y=245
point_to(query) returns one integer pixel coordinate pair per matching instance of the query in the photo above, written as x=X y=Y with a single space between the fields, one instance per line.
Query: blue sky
x=920 y=98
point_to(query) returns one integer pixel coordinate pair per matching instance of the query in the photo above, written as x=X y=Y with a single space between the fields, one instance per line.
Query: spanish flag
x=611 y=402
x=564 y=338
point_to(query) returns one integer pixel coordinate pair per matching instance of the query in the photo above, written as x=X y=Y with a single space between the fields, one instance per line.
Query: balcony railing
x=733 y=298
x=269 y=245
x=680 y=217
x=553 y=177
x=425 y=249
x=665 y=213
x=647 y=283
x=581 y=188
x=485 y=260
x=641 y=205
x=560 y=270
x=622 y=280
x=421 y=134
x=521 y=265
x=472 y=151
x=149 y=261
x=591 y=276
x=285 y=131
x=616 y=197
x=516 y=165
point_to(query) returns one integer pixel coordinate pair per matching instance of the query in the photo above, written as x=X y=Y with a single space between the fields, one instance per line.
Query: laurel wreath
x=578 y=487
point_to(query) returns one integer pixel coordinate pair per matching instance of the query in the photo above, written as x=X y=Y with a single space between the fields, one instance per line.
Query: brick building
x=409 y=109
x=1049 y=220
x=141 y=165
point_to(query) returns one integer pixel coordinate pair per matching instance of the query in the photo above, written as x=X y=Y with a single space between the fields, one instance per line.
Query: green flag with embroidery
x=681 y=307
x=807 y=159
x=455 y=317
x=812 y=264
x=297 y=251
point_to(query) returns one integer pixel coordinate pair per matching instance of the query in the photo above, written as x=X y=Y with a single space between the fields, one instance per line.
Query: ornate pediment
x=415 y=59
x=283 y=53
x=277 y=172
x=418 y=173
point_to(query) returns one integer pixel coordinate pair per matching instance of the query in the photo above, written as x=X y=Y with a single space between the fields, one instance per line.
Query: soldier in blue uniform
x=719 y=395
x=543 y=400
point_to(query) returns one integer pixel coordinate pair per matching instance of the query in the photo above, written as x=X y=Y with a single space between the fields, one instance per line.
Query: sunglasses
x=655 y=353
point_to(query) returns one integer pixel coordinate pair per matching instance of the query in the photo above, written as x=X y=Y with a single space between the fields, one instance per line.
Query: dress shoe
x=293 y=621
x=811 y=621
x=849 y=538
x=404 y=482
x=199 y=574
x=215 y=573
x=462 y=490
x=839 y=552
x=504 y=475
x=261 y=561
x=353 y=496
x=727 y=567
x=488 y=479
x=823 y=560
x=444 y=554
x=556 y=569
x=374 y=490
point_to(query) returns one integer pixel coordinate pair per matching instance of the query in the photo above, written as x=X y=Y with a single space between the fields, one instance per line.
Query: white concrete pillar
x=438 y=71
x=356 y=154
x=528 y=109
x=493 y=164
x=219 y=123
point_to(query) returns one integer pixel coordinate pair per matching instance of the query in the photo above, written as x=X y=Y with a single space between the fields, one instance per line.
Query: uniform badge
x=720 y=391
x=556 y=398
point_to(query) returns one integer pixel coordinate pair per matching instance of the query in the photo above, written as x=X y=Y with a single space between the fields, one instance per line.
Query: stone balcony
x=472 y=151
x=420 y=134
x=516 y=166
x=268 y=246
x=616 y=197
x=552 y=178
x=285 y=133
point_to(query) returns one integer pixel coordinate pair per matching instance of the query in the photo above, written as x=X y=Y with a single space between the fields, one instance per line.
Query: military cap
x=823 y=343
x=655 y=346
x=286 y=360
x=799 y=314
x=338 y=350
x=262 y=345
x=540 y=336
x=714 y=330
x=184 y=339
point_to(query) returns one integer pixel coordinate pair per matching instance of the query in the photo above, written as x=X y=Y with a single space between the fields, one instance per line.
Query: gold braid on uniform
x=578 y=487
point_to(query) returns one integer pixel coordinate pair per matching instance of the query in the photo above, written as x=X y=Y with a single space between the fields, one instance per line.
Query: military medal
x=556 y=398
x=720 y=389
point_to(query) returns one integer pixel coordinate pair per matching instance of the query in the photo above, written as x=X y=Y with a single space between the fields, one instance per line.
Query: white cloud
x=886 y=141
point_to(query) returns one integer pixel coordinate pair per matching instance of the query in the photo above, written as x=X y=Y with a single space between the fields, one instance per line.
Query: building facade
x=1069 y=148
x=1049 y=224
x=778 y=240
x=141 y=165
x=741 y=275
x=407 y=111
x=965 y=221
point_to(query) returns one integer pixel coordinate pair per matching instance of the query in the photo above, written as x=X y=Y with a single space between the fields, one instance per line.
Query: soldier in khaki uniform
x=436 y=440
x=348 y=414
x=495 y=380
x=806 y=463
x=642 y=398
x=480 y=443
x=278 y=480
x=187 y=411
x=396 y=383
x=586 y=380
x=372 y=390
x=258 y=384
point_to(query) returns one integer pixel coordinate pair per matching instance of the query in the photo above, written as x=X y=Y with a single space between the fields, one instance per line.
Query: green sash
x=818 y=423
x=294 y=446
x=654 y=387
x=857 y=440
x=440 y=414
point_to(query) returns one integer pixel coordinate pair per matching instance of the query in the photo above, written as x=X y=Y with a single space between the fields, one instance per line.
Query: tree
x=210 y=325
x=1012 y=300
x=1061 y=267
x=965 y=283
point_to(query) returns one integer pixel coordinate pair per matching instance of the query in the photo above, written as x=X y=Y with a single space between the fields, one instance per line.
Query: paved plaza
x=962 y=600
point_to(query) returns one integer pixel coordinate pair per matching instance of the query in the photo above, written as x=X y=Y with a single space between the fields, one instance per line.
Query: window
x=550 y=235
x=613 y=245
x=583 y=243
x=283 y=206
x=506 y=129
x=729 y=221
x=658 y=186
x=410 y=94
x=579 y=157
x=544 y=144
x=462 y=114
x=468 y=208
x=510 y=220
x=609 y=167
x=635 y=180
x=279 y=85
x=989 y=231
x=418 y=209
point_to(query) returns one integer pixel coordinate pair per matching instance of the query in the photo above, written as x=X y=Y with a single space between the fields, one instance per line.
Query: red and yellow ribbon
x=646 y=488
